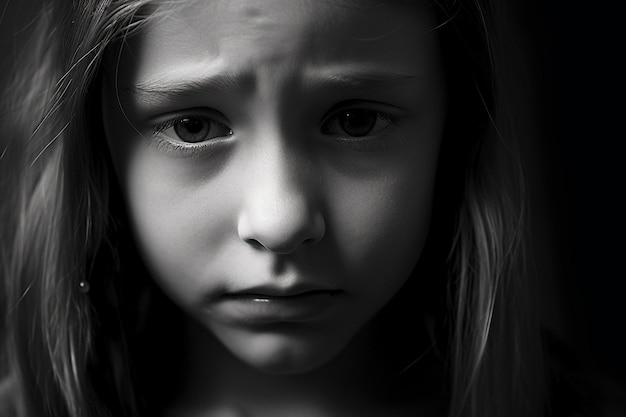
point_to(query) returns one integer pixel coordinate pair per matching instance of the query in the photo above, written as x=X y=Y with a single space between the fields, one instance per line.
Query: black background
x=582 y=45
x=579 y=166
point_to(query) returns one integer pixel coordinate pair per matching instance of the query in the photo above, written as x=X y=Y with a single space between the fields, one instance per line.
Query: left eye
x=356 y=122
x=194 y=129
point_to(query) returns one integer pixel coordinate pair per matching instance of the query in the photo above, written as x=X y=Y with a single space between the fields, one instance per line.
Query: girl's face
x=278 y=160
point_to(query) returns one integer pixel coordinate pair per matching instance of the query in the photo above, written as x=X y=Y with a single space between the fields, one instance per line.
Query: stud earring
x=83 y=287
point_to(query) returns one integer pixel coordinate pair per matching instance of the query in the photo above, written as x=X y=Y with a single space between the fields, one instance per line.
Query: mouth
x=269 y=305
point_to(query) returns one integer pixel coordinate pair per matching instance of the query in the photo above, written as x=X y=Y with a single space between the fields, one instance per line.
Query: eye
x=356 y=122
x=193 y=129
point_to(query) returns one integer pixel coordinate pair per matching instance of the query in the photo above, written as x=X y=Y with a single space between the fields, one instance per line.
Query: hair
x=61 y=225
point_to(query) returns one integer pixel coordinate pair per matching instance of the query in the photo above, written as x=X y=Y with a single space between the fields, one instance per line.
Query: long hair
x=495 y=345
x=57 y=222
x=55 y=218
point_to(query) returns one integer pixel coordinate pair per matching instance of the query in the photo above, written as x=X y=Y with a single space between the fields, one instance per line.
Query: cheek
x=381 y=225
x=177 y=228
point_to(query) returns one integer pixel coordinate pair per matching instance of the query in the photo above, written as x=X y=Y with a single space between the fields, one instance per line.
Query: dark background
x=582 y=46
x=577 y=168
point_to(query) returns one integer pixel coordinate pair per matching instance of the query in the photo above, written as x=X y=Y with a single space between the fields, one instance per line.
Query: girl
x=266 y=208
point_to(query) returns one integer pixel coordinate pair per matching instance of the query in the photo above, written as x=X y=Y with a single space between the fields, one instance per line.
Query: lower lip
x=256 y=309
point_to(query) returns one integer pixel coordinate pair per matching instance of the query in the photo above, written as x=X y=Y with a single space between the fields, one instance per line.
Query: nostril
x=280 y=248
x=254 y=243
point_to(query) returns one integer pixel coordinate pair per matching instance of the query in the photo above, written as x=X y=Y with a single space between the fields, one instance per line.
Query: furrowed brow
x=166 y=90
x=360 y=79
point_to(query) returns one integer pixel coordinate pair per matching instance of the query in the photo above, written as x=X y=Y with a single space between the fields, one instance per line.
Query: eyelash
x=181 y=148
x=367 y=142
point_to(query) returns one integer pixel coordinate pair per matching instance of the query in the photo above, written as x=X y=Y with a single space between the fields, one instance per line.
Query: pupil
x=192 y=130
x=358 y=122
x=193 y=125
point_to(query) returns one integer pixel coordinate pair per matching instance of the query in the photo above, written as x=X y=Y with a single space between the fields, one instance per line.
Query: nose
x=281 y=211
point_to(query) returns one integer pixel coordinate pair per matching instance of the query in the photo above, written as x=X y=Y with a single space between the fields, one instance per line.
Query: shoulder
x=578 y=389
x=7 y=397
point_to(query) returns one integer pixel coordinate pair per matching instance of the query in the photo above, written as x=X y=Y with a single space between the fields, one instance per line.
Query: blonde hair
x=56 y=219
x=496 y=349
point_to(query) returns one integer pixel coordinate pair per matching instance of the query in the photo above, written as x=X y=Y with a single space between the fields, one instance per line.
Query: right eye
x=193 y=129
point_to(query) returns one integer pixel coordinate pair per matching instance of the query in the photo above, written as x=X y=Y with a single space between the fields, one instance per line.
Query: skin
x=279 y=194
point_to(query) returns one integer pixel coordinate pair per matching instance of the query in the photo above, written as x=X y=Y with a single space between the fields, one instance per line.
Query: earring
x=83 y=287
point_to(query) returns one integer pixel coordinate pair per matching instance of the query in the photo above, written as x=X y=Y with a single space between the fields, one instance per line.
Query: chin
x=283 y=353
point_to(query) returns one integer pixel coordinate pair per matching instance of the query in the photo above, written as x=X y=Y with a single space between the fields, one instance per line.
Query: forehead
x=369 y=16
x=243 y=36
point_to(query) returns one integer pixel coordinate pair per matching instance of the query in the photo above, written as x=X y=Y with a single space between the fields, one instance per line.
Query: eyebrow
x=359 y=78
x=166 y=89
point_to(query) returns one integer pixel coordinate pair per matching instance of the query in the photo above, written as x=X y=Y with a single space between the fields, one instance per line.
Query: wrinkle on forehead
x=278 y=38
